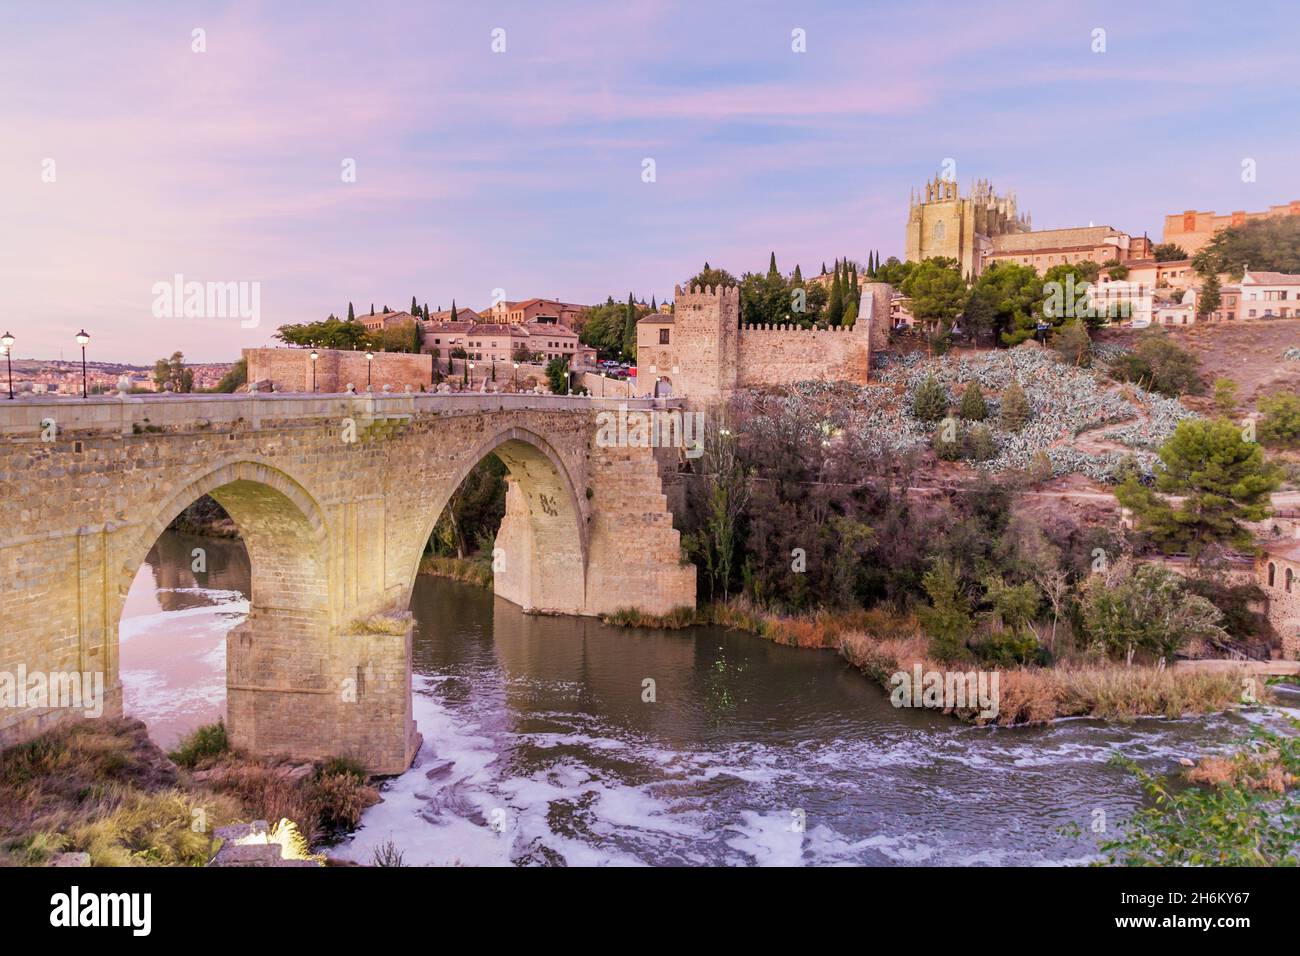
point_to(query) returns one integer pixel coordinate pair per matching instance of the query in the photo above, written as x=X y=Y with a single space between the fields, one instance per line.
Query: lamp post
x=470 y=376
x=370 y=358
x=7 y=341
x=314 y=356
x=516 y=378
x=82 y=339
x=602 y=384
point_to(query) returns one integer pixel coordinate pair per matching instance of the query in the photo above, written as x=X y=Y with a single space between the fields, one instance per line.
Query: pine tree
x=931 y=401
x=973 y=407
x=1015 y=407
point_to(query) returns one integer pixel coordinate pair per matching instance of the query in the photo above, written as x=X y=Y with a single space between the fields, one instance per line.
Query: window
x=939 y=232
x=663 y=336
x=1289 y=575
x=1272 y=574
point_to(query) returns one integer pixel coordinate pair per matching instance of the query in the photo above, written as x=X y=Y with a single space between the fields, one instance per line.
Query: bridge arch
x=282 y=527
x=541 y=552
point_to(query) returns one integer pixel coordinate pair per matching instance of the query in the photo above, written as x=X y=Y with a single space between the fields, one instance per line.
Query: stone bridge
x=335 y=497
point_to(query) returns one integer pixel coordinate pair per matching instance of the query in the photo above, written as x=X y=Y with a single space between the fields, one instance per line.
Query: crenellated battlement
x=860 y=328
x=720 y=292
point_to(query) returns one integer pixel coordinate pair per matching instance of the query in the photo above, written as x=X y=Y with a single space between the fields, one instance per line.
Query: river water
x=539 y=747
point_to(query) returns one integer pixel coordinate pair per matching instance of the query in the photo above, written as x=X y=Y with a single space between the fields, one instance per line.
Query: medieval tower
x=941 y=222
x=706 y=340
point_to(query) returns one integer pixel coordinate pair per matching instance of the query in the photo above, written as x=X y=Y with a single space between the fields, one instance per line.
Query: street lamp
x=602 y=384
x=370 y=358
x=516 y=377
x=82 y=339
x=7 y=341
x=314 y=356
x=470 y=376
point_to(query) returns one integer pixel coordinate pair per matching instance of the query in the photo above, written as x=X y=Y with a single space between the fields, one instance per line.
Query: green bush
x=931 y=400
x=1279 y=426
x=206 y=741
x=973 y=406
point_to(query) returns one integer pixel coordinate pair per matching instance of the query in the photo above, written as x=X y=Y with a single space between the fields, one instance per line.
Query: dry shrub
x=1253 y=771
x=342 y=798
x=1027 y=695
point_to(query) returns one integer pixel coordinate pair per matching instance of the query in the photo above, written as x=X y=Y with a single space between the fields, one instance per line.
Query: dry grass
x=1037 y=695
x=477 y=572
x=1251 y=771
x=381 y=624
x=104 y=788
x=677 y=618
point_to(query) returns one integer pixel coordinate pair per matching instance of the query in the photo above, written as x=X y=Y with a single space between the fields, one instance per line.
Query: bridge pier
x=298 y=688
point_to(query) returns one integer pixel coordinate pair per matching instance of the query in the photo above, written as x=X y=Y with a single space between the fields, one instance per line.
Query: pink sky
x=522 y=170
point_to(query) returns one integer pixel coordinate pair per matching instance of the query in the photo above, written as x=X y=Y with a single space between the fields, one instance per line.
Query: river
x=540 y=747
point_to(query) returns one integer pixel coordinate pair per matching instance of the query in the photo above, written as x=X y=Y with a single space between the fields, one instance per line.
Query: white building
x=1267 y=295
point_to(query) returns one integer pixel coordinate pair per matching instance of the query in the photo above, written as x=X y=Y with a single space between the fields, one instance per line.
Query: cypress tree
x=797 y=279
x=835 y=305
x=415 y=306
x=426 y=312
x=653 y=306
x=772 y=272
x=372 y=308
x=453 y=310
x=823 y=267
x=351 y=315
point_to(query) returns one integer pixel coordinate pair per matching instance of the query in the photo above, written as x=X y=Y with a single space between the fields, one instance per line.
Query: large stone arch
x=279 y=521
x=280 y=662
x=543 y=540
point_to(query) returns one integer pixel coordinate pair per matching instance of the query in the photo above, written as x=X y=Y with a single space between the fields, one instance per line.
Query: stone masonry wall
x=289 y=370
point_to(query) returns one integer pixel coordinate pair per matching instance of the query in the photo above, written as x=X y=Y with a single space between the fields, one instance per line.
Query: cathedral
x=943 y=223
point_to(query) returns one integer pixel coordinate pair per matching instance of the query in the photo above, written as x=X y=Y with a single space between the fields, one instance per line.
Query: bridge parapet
x=134 y=414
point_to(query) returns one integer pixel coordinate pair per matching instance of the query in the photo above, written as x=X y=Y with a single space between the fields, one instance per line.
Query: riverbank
x=476 y=571
x=103 y=790
x=882 y=644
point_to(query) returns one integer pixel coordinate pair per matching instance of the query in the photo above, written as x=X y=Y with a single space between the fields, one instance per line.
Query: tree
x=708 y=276
x=1145 y=608
x=772 y=272
x=1267 y=245
x=172 y=374
x=1168 y=252
x=931 y=400
x=332 y=333
x=452 y=316
x=557 y=375
x=835 y=306
x=1225 y=397
x=1014 y=294
x=947 y=621
x=352 y=317
x=233 y=379
x=1280 y=425
x=973 y=407
x=937 y=292
x=726 y=494
x=1072 y=342
x=1015 y=407
x=1160 y=366
x=1210 y=298
x=1222 y=479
